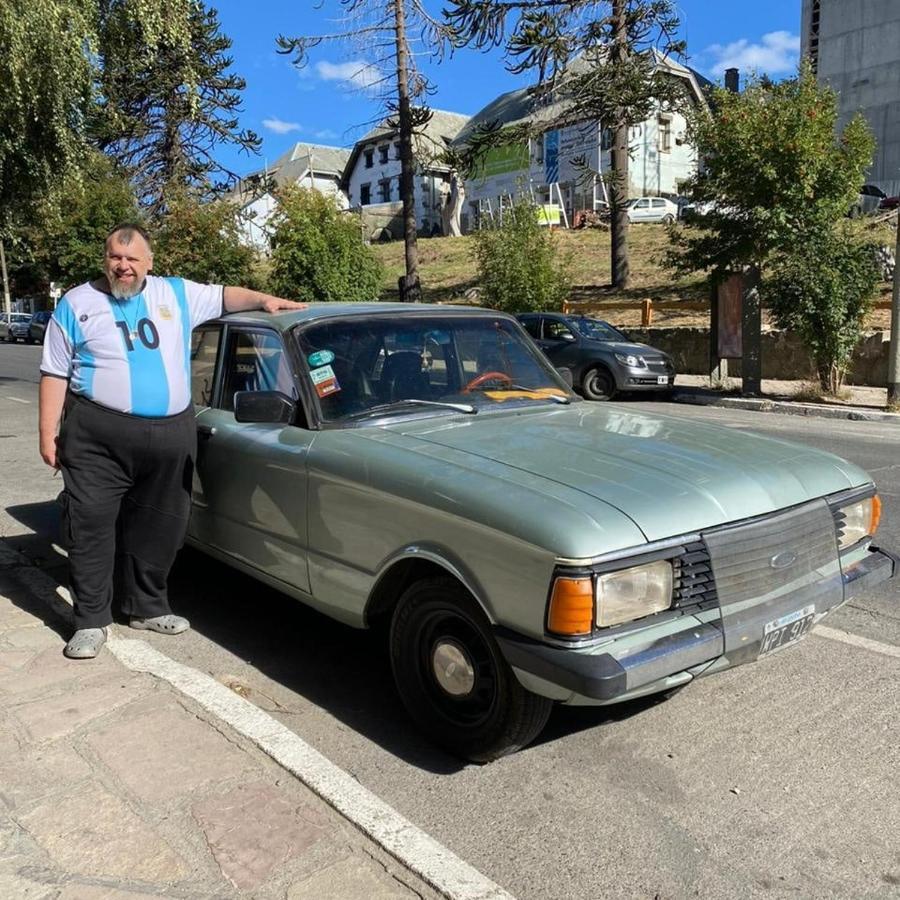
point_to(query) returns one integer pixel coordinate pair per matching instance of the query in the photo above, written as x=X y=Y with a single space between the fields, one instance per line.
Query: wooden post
x=646 y=313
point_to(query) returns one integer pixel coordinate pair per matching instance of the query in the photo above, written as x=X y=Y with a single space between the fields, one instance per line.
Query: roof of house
x=437 y=133
x=520 y=106
x=292 y=166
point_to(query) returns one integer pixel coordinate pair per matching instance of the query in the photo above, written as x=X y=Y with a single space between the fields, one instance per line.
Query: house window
x=606 y=138
x=665 y=135
x=365 y=194
x=539 y=149
x=370 y=157
x=396 y=149
x=383 y=153
x=384 y=190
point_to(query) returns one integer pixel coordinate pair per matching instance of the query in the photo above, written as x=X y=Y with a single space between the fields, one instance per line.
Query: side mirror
x=566 y=375
x=263 y=406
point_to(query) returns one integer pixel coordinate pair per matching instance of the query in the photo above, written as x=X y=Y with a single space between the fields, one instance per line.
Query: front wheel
x=598 y=384
x=453 y=678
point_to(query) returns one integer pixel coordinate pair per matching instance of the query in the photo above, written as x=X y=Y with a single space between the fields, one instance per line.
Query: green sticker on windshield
x=320 y=358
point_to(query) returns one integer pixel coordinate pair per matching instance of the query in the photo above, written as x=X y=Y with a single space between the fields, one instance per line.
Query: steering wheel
x=479 y=380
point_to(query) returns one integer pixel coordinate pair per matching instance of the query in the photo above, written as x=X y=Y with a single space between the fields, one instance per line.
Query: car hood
x=669 y=475
x=626 y=347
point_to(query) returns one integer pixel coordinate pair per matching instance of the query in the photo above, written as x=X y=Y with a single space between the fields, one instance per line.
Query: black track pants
x=125 y=506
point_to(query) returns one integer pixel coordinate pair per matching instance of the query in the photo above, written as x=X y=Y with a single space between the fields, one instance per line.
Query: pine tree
x=168 y=102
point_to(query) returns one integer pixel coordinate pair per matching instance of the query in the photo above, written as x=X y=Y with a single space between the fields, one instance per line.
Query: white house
x=309 y=165
x=555 y=167
x=371 y=177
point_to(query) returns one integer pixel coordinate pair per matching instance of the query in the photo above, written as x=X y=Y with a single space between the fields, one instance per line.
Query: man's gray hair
x=125 y=231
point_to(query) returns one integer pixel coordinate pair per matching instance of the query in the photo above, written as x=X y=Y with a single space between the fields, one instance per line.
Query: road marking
x=856 y=640
x=411 y=846
x=408 y=844
x=18 y=400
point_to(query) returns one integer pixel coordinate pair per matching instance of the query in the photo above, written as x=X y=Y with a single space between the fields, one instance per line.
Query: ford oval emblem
x=783 y=560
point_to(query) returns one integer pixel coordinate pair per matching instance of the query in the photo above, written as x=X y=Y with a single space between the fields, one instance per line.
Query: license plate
x=787 y=630
x=662 y=379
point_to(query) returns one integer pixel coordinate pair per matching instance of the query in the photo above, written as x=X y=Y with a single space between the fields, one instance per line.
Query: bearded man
x=116 y=419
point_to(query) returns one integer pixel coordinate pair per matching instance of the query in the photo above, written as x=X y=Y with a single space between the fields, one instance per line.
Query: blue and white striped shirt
x=130 y=355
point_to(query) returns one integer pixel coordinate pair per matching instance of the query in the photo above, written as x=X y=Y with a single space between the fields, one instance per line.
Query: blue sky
x=324 y=104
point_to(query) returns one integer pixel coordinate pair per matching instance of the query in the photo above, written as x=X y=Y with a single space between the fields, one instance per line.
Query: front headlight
x=632 y=361
x=633 y=593
x=860 y=520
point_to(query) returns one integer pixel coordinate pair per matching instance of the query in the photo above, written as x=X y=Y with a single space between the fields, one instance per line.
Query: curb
x=787 y=407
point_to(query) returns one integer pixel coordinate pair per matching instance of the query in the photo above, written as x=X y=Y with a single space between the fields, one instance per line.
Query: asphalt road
x=777 y=779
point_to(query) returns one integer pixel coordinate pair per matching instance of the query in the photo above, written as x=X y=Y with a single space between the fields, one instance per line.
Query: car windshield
x=597 y=330
x=366 y=368
x=21 y=317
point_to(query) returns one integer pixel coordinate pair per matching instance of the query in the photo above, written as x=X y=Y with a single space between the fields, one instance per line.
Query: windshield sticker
x=320 y=358
x=325 y=380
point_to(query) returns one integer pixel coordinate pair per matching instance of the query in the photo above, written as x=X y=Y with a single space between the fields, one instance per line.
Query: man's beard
x=124 y=291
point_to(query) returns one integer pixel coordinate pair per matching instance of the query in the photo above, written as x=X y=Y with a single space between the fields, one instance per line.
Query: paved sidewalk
x=789 y=397
x=115 y=785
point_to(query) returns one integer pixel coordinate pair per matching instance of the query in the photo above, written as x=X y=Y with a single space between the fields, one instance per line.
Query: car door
x=250 y=485
x=640 y=210
x=559 y=342
x=657 y=209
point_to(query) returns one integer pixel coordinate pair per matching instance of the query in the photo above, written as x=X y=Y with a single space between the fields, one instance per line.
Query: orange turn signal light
x=571 y=606
x=876 y=514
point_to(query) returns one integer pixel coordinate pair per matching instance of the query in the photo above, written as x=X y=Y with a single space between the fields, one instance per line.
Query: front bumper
x=654 y=658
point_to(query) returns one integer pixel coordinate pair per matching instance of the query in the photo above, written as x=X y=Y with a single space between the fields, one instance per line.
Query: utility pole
x=893 y=386
x=619 y=194
x=412 y=291
x=7 y=303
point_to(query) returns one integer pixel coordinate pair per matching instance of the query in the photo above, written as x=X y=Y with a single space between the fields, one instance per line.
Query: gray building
x=854 y=45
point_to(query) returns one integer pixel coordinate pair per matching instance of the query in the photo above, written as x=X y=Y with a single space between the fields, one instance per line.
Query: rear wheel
x=668 y=219
x=453 y=678
x=598 y=384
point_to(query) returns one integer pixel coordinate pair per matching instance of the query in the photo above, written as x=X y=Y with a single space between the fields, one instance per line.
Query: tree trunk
x=412 y=291
x=619 y=194
x=7 y=304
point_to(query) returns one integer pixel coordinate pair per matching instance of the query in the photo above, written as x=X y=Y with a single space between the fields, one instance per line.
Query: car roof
x=322 y=311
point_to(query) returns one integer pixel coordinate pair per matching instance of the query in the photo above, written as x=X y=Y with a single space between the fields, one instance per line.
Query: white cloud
x=356 y=72
x=325 y=135
x=777 y=52
x=281 y=127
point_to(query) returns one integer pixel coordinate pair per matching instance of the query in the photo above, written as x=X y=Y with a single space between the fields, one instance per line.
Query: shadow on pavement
x=343 y=670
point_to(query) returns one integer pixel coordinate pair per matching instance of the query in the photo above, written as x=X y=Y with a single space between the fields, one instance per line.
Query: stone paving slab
x=92 y=832
x=254 y=828
x=351 y=878
x=166 y=752
x=29 y=776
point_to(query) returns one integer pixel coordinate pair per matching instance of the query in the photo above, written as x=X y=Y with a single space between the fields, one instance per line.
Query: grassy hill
x=447 y=269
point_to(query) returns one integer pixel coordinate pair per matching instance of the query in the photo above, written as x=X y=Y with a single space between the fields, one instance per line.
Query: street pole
x=7 y=303
x=893 y=385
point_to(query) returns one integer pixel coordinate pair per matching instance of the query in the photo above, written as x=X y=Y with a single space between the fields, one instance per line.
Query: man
x=116 y=360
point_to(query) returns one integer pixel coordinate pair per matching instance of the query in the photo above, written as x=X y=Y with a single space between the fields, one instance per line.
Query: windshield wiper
x=400 y=405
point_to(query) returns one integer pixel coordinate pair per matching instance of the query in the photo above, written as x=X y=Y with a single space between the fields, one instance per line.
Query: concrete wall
x=783 y=354
x=859 y=56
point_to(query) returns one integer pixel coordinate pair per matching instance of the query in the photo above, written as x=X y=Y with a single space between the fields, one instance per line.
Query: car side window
x=658 y=203
x=557 y=331
x=255 y=361
x=533 y=327
x=642 y=204
x=204 y=349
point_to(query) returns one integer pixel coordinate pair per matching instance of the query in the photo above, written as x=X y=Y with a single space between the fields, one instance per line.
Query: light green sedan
x=427 y=466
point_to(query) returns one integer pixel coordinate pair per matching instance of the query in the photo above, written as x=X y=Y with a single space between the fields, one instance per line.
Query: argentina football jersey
x=130 y=355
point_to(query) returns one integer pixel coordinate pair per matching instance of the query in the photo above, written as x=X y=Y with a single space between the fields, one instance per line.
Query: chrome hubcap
x=453 y=669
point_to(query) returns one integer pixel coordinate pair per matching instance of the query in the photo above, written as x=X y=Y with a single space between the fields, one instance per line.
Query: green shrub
x=518 y=267
x=824 y=294
x=318 y=252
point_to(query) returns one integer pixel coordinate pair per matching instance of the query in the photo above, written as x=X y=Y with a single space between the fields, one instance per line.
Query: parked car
x=652 y=209
x=602 y=359
x=868 y=201
x=38 y=325
x=887 y=203
x=427 y=467
x=14 y=327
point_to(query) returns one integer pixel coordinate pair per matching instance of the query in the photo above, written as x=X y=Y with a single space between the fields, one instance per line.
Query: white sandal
x=168 y=624
x=85 y=643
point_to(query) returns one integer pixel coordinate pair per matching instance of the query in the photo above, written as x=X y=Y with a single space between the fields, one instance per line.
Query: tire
x=482 y=714
x=668 y=219
x=598 y=384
